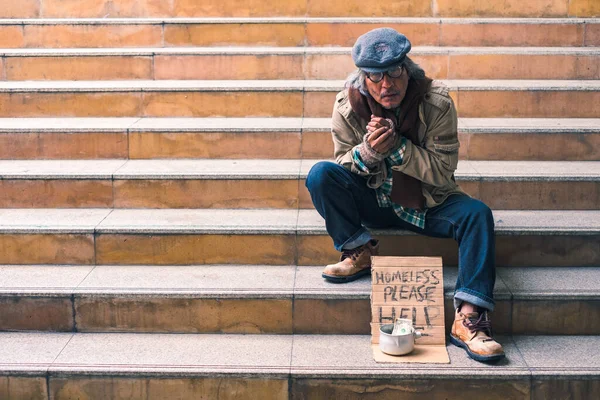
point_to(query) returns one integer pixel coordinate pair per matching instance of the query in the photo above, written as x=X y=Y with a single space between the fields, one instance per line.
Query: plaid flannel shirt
x=385 y=190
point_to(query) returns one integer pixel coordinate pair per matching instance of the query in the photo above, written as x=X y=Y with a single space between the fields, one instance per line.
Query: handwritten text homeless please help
x=408 y=287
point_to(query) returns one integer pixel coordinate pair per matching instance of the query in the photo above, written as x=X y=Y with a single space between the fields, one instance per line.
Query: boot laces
x=352 y=254
x=481 y=324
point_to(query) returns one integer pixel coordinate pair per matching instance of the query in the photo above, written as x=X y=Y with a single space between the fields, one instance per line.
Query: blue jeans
x=348 y=206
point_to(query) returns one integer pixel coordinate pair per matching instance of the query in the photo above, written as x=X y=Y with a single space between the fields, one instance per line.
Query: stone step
x=509 y=185
x=276 y=299
x=266 y=236
x=550 y=139
x=293 y=31
x=214 y=63
x=142 y=366
x=279 y=98
x=337 y=8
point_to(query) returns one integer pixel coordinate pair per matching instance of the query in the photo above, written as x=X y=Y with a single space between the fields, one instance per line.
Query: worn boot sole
x=349 y=278
x=477 y=357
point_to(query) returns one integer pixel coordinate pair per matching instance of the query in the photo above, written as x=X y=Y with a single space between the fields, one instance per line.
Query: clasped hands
x=381 y=134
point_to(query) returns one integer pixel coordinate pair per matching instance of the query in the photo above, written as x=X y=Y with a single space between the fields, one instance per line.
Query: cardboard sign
x=408 y=287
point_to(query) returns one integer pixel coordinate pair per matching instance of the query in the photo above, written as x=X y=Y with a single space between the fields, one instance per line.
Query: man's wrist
x=369 y=155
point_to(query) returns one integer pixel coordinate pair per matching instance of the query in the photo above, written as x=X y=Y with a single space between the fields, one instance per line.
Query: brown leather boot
x=473 y=332
x=353 y=264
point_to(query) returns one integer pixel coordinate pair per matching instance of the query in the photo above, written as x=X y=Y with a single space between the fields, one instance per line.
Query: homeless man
x=396 y=146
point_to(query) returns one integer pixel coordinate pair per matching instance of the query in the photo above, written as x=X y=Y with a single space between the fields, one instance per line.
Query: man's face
x=389 y=92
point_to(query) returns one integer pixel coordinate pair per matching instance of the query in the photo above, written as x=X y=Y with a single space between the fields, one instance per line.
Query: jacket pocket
x=448 y=152
x=445 y=139
x=447 y=147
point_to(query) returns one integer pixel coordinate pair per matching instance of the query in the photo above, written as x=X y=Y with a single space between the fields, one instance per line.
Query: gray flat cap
x=380 y=49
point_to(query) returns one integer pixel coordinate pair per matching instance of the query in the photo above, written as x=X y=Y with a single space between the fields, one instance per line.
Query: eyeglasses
x=377 y=77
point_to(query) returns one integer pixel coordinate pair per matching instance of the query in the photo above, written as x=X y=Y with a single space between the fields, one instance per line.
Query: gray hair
x=357 y=78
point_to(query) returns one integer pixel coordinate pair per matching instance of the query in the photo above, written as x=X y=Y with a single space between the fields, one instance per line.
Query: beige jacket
x=433 y=162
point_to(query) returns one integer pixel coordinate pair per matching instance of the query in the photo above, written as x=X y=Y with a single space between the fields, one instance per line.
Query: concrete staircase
x=156 y=237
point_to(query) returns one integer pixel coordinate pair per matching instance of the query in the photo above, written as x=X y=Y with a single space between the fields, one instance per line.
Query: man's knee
x=481 y=212
x=321 y=175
